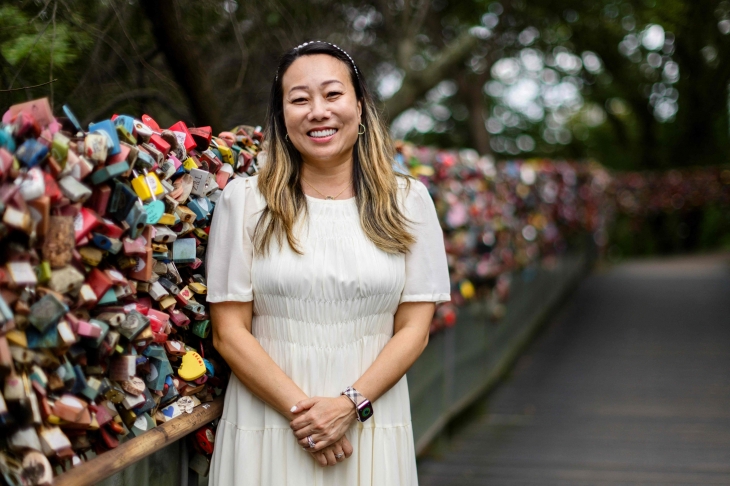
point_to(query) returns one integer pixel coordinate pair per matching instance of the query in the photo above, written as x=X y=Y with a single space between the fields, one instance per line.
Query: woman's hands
x=325 y=419
x=337 y=452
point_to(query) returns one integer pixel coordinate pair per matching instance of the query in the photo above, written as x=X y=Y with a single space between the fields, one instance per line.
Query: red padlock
x=204 y=439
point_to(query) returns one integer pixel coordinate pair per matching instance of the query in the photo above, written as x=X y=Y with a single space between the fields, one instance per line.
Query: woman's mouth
x=322 y=133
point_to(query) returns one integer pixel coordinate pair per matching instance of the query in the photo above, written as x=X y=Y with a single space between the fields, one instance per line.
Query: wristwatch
x=363 y=407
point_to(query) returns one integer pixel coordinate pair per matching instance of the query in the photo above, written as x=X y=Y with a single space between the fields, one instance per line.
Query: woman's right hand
x=328 y=455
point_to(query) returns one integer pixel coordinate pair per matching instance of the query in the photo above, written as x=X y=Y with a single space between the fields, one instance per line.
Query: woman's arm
x=232 y=338
x=327 y=419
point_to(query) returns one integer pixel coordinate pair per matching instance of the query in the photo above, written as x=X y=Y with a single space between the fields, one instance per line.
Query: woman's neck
x=321 y=180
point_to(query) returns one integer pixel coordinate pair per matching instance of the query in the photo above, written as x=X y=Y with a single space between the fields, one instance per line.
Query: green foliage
x=36 y=43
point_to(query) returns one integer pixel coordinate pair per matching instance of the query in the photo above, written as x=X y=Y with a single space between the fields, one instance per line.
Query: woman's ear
x=359 y=110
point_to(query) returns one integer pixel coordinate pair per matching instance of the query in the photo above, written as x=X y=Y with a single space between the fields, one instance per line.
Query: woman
x=323 y=275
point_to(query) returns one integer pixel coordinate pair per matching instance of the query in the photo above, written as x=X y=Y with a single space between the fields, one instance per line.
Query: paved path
x=629 y=385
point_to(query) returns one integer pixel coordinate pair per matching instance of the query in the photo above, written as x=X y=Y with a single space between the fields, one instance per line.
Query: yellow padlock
x=190 y=164
x=192 y=366
x=167 y=219
x=226 y=153
x=200 y=233
x=198 y=288
x=147 y=185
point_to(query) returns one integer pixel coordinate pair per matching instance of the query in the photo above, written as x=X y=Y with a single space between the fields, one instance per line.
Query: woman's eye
x=333 y=94
x=299 y=100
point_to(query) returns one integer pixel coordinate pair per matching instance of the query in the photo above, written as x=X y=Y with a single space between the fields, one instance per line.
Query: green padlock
x=202 y=328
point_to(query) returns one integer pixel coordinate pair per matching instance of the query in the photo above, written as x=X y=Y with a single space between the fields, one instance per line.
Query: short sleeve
x=230 y=249
x=427 y=273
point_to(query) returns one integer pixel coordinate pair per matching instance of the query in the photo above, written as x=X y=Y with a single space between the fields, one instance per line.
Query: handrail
x=126 y=454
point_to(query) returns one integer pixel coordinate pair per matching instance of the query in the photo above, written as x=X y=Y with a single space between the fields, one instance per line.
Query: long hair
x=374 y=181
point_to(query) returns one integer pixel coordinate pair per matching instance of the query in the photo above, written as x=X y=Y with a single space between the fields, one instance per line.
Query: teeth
x=322 y=133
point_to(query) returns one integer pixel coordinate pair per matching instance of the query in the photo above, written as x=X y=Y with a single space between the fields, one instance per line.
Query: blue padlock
x=109 y=172
x=6 y=139
x=112 y=245
x=42 y=340
x=31 y=153
x=107 y=127
x=125 y=121
x=110 y=297
x=209 y=367
x=136 y=219
x=144 y=161
x=80 y=383
x=122 y=200
x=201 y=207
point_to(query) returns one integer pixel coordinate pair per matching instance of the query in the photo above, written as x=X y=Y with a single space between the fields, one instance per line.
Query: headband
x=357 y=73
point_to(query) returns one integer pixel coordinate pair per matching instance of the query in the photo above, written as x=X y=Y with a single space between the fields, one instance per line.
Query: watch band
x=354 y=395
x=363 y=407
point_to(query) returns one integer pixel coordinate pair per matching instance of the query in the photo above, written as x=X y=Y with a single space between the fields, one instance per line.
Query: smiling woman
x=323 y=274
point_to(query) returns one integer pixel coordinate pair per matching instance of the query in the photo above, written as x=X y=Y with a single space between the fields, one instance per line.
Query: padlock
x=131 y=401
x=201 y=207
x=18 y=218
x=31 y=153
x=133 y=324
x=53 y=441
x=22 y=274
x=73 y=189
x=66 y=280
x=108 y=172
x=32 y=185
x=136 y=219
x=183 y=250
x=147 y=186
x=46 y=312
x=156 y=156
x=96 y=146
x=59 y=244
x=126 y=123
x=205 y=439
x=112 y=391
x=201 y=328
x=107 y=127
x=65 y=333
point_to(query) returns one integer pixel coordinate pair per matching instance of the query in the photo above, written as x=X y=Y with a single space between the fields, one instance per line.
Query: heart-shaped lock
x=155 y=210
x=192 y=367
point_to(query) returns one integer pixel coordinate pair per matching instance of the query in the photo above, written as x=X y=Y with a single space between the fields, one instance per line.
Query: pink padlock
x=88 y=329
x=162 y=317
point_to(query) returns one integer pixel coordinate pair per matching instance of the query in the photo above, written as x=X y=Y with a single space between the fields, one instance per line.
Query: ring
x=311 y=442
x=339 y=456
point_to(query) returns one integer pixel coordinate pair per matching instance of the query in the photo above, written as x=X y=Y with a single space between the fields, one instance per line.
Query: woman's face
x=321 y=111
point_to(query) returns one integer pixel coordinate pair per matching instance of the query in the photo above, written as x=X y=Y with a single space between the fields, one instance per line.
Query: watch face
x=365 y=410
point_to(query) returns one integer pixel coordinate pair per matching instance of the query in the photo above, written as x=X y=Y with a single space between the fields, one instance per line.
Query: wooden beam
x=113 y=461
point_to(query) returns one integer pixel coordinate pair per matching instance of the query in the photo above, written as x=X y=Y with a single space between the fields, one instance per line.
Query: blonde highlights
x=374 y=181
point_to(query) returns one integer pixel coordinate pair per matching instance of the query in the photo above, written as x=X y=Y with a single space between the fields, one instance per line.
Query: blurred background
x=551 y=134
x=636 y=85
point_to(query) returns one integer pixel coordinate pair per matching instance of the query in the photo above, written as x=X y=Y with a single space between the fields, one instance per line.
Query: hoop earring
x=363 y=130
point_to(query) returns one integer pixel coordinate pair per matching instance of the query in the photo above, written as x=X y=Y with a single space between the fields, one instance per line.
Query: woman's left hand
x=325 y=419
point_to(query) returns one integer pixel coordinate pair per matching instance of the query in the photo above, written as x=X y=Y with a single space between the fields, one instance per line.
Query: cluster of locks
x=103 y=324
x=498 y=218
x=645 y=193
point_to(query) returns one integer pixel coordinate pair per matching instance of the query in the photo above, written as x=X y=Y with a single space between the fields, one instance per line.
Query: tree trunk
x=471 y=92
x=184 y=61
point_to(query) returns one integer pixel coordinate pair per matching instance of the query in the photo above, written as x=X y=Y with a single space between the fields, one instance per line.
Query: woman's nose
x=319 y=110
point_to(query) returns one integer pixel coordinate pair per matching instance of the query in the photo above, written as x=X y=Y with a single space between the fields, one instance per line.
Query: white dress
x=323 y=317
